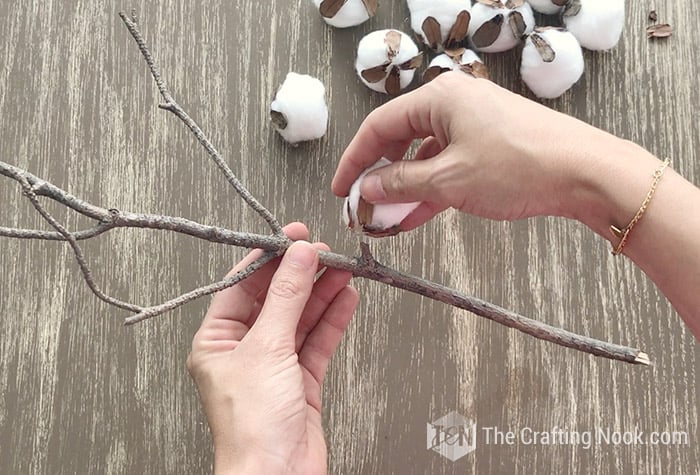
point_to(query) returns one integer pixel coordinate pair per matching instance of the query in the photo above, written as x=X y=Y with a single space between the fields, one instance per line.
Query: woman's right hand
x=486 y=151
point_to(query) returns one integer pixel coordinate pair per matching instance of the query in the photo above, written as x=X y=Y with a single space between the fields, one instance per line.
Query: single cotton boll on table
x=387 y=60
x=440 y=24
x=379 y=220
x=499 y=25
x=552 y=62
x=464 y=60
x=299 y=112
x=346 y=13
x=596 y=24
x=548 y=7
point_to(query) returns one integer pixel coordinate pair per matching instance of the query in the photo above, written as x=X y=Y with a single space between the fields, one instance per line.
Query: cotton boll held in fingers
x=462 y=59
x=548 y=7
x=346 y=13
x=299 y=112
x=596 y=24
x=499 y=25
x=440 y=24
x=387 y=60
x=379 y=220
x=552 y=62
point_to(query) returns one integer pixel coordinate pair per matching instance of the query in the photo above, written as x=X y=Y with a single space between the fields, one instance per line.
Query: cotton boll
x=548 y=7
x=597 y=24
x=440 y=24
x=499 y=25
x=346 y=13
x=378 y=220
x=387 y=60
x=552 y=62
x=462 y=59
x=299 y=111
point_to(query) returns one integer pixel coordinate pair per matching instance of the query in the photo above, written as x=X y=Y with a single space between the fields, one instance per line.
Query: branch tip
x=642 y=359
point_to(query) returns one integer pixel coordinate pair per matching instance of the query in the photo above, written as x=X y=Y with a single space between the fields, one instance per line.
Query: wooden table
x=81 y=393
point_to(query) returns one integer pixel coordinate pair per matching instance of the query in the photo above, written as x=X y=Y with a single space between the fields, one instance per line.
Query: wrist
x=610 y=178
x=243 y=462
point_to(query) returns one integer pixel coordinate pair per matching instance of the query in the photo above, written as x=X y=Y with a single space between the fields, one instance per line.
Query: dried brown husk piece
x=393 y=82
x=365 y=216
x=377 y=232
x=393 y=43
x=513 y=4
x=278 y=119
x=431 y=29
x=491 y=3
x=477 y=69
x=365 y=212
x=663 y=30
x=543 y=48
x=572 y=8
x=517 y=24
x=376 y=73
x=413 y=63
x=560 y=3
x=433 y=72
x=459 y=30
x=488 y=33
x=330 y=8
x=371 y=6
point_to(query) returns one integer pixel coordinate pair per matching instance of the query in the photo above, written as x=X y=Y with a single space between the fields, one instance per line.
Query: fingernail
x=371 y=189
x=301 y=254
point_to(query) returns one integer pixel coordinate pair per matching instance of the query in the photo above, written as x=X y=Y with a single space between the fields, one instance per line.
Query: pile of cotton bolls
x=456 y=31
x=552 y=61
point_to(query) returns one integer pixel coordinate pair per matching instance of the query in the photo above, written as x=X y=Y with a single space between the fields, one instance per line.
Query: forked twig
x=171 y=105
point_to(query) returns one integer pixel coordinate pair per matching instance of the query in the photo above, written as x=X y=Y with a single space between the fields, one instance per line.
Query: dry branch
x=365 y=266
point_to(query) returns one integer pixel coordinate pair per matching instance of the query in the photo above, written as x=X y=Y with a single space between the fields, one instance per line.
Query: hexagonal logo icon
x=452 y=436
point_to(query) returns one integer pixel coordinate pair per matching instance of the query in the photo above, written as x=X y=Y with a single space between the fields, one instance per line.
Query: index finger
x=400 y=120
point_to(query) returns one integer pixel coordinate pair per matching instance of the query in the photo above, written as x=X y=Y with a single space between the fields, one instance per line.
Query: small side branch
x=151 y=312
x=171 y=105
x=79 y=256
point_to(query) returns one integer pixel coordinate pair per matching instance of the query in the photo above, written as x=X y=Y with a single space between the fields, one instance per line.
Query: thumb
x=289 y=290
x=406 y=181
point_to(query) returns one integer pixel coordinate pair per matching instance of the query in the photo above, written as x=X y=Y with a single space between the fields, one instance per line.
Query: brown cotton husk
x=543 y=48
x=659 y=31
x=371 y=6
x=329 y=8
x=488 y=33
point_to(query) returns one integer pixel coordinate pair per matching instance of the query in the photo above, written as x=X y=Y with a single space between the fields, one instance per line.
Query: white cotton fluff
x=550 y=79
x=548 y=7
x=299 y=111
x=445 y=12
x=385 y=218
x=353 y=13
x=598 y=24
x=373 y=52
x=446 y=62
x=506 y=39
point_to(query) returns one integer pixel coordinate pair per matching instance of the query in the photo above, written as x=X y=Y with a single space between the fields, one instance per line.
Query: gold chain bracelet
x=623 y=234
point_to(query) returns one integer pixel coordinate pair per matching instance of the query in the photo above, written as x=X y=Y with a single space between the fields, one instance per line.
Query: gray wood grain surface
x=80 y=393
